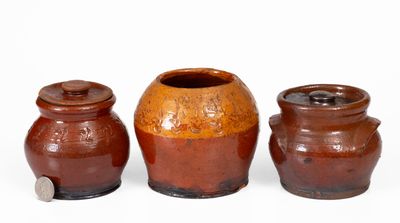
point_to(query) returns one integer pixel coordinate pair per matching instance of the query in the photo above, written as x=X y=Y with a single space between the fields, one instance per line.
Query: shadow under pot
x=197 y=129
x=78 y=144
x=323 y=144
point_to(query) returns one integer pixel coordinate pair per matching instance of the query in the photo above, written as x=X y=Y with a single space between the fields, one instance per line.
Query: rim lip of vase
x=226 y=76
x=360 y=104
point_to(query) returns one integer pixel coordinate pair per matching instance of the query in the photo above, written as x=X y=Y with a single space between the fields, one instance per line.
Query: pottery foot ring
x=226 y=189
x=65 y=194
x=324 y=193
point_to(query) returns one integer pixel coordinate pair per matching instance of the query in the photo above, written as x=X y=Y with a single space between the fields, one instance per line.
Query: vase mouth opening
x=196 y=78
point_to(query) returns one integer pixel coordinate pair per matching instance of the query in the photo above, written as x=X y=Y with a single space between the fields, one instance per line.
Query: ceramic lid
x=318 y=97
x=324 y=103
x=75 y=93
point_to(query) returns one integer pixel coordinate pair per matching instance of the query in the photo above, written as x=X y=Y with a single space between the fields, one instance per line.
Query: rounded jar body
x=197 y=129
x=82 y=149
x=322 y=150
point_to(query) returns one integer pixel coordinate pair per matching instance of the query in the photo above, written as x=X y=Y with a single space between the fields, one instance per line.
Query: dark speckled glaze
x=322 y=150
x=197 y=129
x=78 y=141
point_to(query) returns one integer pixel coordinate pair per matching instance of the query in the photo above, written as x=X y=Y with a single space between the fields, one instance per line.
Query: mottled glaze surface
x=325 y=152
x=82 y=149
x=197 y=129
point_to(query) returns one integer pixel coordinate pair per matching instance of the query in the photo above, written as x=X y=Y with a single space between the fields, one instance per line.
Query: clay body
x=197 y=129
x=323 y=144
x=78 y=141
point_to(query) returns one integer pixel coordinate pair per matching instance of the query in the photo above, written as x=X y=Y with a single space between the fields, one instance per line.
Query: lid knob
x=322 y=97
x=76 y=87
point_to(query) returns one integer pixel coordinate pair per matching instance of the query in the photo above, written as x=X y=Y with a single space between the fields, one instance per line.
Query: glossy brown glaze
x=321 y=149
x=197 y=129
x=192 y=168
x=84 y=148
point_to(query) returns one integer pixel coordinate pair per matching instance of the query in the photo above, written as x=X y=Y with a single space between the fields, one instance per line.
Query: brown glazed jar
x=323 y=143
x=78 y=142
x=197 y=129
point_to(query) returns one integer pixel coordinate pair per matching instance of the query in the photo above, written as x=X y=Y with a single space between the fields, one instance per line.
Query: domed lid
x=75 y=93
x=320 y=100
x=324 y=95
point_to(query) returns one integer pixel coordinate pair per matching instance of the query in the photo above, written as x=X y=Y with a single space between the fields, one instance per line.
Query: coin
x=44 y=189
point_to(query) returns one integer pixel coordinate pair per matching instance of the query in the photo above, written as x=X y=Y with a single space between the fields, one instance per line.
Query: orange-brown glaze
x=204 y=108
x=197 y=129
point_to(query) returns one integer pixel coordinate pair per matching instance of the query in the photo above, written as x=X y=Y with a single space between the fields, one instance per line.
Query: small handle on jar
x=278 y=130
x=364 y=132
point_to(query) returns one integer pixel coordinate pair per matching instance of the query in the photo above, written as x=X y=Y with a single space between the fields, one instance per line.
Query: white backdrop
x=271 y=45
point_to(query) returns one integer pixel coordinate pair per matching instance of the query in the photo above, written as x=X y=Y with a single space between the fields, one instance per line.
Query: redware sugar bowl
x=78 y=142
x=197 y=129
x=323 y=143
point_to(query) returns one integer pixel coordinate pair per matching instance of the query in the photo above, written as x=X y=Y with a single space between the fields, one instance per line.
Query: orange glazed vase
x=197 y=129
x=323 y=143
x=78 y=142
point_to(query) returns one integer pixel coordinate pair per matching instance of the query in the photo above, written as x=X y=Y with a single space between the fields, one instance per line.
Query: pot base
x=193 y=193
x=324 y=194
x=63 y=194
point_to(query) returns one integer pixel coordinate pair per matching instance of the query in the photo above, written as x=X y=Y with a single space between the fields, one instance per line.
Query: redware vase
x=197 y=129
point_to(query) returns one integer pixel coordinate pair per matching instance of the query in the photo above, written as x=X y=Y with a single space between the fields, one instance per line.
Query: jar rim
x=196 y=78
x=78 y=112
x=359 y=96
